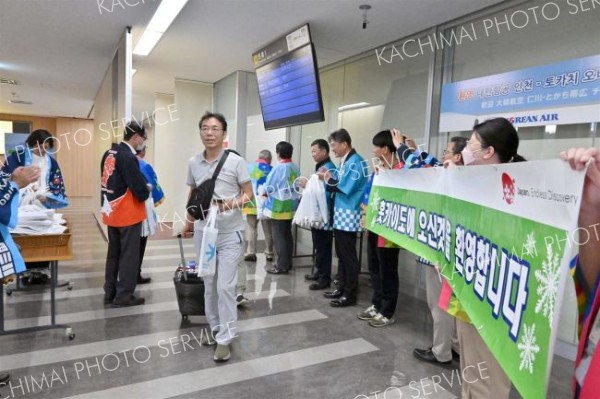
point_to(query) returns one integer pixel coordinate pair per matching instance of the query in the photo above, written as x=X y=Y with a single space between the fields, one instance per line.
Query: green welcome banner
x=502 y=237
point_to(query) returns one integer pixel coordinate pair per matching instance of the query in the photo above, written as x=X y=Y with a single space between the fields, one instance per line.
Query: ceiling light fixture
x=20 y=102
x=165 y=14
x=353 y=106
x=133 y=71
x=11 y=82
x=364 y=8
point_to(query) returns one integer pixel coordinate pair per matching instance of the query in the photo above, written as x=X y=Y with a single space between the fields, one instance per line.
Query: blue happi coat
x=282 y=191
x=11 y=261
x=21 y=156
x=330 y=166
x=348 y=184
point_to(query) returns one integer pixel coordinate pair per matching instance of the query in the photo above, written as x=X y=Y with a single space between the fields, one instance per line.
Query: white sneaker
x=368 y=313
x=207 y=339
x=380 y=321
x=222 y=353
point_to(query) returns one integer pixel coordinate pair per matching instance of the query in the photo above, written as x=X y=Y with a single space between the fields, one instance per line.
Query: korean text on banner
x=502 y=237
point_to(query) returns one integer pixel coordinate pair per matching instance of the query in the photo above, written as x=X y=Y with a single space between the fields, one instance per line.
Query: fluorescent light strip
x=353 y=106
x=165 y=14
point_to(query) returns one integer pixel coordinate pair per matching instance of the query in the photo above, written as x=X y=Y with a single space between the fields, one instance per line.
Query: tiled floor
x=291 y=343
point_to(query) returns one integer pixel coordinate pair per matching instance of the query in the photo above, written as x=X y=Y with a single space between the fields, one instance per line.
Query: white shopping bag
x=312 y=210
x=260 y=203
x=208 y=249
x=149 y=224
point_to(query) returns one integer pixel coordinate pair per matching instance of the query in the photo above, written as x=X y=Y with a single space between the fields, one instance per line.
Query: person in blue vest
x=281 y=191
x=348 y=185
x=50 y=186
x=158 y=197
x=322 y=238
x=11 y=259
x=258 y=170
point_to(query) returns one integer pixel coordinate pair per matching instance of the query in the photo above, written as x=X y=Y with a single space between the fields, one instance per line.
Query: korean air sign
x=563 y=93
x=550 y=119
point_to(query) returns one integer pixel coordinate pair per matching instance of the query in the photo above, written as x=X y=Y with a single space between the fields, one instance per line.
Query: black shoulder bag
x=199 y=202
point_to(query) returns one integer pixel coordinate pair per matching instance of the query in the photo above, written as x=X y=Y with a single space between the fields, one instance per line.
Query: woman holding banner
x=382 y=254
x=586 y=382
x=492 y=142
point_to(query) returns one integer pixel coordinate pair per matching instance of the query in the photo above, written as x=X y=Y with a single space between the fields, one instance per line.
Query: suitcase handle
x=183 y=265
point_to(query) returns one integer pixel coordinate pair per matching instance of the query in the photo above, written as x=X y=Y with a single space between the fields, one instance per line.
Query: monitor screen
x=288 y=81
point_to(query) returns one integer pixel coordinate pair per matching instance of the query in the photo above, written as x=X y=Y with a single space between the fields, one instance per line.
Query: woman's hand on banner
x=578 y=158
x=397 y=137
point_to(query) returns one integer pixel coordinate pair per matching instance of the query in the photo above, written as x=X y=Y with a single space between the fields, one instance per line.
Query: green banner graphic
x=505 y=270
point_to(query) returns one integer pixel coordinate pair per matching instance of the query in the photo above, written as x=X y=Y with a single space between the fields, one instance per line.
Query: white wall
x=103 y=114
x=161 y=148
x=177 y=142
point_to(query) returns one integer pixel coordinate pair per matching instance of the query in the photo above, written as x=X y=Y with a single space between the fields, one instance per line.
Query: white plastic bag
x=207 y=263
x=312 y=210
x=149 y=224
x=260 y=204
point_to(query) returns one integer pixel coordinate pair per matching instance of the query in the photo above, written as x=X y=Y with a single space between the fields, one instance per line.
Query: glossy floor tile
x=290 y=343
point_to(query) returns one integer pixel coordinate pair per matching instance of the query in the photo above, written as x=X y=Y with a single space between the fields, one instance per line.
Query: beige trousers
x=252 y=233
x=482 y=375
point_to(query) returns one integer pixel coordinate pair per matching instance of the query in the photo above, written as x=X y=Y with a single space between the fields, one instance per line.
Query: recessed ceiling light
x=8 y=81
x=20 y=102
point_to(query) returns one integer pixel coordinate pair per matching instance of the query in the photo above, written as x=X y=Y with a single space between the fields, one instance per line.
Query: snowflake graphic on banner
x=375 y=202
x=547 y=289
x=529 y=246
x=528 y=348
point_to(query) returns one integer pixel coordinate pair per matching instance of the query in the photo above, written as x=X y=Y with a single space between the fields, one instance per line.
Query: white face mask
x=468 y=156
x=140 y=147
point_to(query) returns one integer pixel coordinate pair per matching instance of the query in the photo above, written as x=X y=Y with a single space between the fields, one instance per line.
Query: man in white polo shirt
x=232 y=189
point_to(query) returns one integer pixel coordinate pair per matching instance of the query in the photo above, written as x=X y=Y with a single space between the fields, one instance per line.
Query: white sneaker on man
x=368 y=313
x=222 y=353
x=380 y=321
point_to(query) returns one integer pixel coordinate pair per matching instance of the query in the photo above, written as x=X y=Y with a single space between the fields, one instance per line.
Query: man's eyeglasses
x=207 y=129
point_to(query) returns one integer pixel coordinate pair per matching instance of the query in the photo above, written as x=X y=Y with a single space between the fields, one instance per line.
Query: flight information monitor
x=288 y=81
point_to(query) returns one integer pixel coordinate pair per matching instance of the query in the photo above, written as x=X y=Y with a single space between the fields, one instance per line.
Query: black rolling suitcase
x=189 y=289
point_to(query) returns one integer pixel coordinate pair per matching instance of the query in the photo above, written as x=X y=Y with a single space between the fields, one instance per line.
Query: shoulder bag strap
x=220 y=165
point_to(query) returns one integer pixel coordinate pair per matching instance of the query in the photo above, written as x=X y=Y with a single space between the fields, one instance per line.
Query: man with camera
x=232 y=189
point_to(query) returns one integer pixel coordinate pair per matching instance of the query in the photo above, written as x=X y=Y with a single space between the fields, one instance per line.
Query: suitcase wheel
x=184 y=317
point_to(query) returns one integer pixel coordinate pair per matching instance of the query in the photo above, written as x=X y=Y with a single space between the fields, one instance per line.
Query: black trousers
x=322 y=243
x=143 y=241
x=348 y=267
x=383 y=267
x=122 y=261
x=283 y=242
